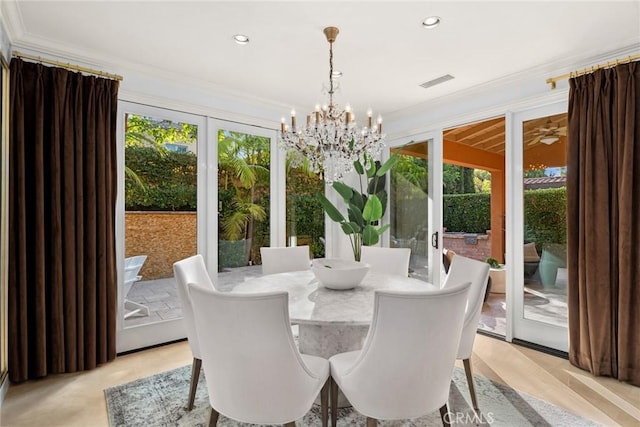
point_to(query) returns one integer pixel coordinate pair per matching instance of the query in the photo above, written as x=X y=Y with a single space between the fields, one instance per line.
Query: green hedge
x=309 y=220
x=469 y=213
x=169 y=180
x=545 y=214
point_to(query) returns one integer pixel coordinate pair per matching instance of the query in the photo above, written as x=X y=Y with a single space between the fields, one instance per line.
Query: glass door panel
x=474 y=208
x=409 y=203
x=160 y=214
x=545 y=230
x=244 y=218
x=160 y=221
x=415 y=207
x=304 y=214
x=540 y=281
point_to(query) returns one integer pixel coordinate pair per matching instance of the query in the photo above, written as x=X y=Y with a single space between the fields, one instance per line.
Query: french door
x=246 y=189
x=536 y=251
x=161 y=218
x=415 y=203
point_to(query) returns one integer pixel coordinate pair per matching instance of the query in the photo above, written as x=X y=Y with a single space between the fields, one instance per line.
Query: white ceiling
x=382 y=49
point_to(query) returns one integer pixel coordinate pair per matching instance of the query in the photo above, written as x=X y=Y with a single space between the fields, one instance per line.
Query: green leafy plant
x=365 y=207
x=493 y=263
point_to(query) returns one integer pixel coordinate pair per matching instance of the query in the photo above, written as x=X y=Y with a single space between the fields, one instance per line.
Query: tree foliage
x=147 y=131
x=243 y=173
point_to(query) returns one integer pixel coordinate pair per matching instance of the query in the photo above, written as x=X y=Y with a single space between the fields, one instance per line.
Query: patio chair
x=531 y=259
x=132 y=266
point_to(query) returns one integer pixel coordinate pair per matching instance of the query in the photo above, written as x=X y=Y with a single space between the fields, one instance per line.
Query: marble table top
x=312 y=303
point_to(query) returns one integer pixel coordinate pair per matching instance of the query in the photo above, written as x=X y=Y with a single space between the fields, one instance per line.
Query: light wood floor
x=78 y=399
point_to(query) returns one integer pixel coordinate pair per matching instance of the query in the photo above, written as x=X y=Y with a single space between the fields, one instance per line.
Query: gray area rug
x=160 y=400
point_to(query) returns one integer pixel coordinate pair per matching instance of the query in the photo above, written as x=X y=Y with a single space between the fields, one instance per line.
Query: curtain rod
x=67 y=66
x=552 y=80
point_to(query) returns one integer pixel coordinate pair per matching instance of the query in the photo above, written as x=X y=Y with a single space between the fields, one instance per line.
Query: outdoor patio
x=161 y=295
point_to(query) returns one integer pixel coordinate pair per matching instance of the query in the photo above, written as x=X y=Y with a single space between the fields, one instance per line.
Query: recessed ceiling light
x=337 y=74
x=241 y=39
x=431 y=22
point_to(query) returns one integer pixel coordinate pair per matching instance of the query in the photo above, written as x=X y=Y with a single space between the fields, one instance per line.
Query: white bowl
x=339 y=274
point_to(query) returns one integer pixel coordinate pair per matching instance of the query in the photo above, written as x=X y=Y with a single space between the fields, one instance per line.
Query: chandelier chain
x=331 y=73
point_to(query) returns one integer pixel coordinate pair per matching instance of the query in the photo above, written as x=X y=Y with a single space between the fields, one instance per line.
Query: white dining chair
x=255 y=373
x=461 y=270
x=284 y=259
x=387 y=260
x=191 y=270
x=404 y=369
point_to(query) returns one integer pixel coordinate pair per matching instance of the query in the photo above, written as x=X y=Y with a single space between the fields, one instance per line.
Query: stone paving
x=161 y=295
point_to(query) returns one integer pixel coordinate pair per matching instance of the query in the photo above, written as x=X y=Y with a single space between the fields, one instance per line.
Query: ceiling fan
x=549 y=133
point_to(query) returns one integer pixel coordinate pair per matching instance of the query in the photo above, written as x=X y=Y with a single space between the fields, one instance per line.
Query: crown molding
x=46 y=48
x=262 y=110
x=195 y=108
x=540 y=72
x=133 y=72
x=430 y=123
x=12 y=21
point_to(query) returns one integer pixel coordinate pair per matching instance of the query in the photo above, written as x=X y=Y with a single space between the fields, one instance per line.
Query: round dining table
x=330 y=321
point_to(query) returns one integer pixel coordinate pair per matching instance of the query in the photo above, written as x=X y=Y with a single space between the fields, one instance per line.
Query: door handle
x=434 y=240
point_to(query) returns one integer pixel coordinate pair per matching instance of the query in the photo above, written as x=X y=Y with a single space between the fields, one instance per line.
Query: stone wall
x=164 y=237
x=475 y=246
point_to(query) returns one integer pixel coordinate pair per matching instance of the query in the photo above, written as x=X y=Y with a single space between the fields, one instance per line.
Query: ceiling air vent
x=437 y=81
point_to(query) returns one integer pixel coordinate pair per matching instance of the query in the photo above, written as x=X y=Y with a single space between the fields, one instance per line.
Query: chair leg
x=324 y=403
x=195 y=376
x=213 y=418
x=371 y=422
x=444 y=415
x=472 y=387
x=334 y=402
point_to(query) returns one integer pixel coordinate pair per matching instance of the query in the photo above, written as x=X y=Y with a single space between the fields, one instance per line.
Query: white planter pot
x=498 y=280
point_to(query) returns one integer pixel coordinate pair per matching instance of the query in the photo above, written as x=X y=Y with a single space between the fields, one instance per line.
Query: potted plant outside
x=497 y=273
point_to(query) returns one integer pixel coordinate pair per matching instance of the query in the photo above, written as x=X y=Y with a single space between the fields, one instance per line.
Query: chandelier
x=331 y=141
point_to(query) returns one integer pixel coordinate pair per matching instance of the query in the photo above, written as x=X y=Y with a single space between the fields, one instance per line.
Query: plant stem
x=357 y=249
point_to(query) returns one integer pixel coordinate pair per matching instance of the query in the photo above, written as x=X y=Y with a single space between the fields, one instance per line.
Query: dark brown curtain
x=603 y=222
x=62 y=270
